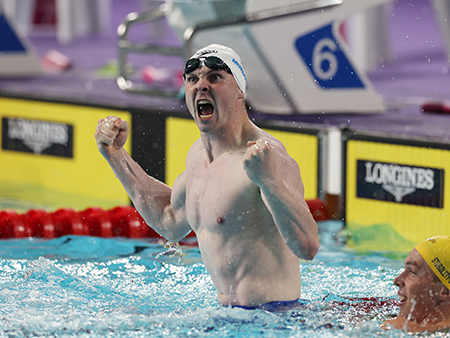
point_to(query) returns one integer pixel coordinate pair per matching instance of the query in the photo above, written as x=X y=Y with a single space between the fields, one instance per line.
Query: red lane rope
x=366 y=304
x=122 y=221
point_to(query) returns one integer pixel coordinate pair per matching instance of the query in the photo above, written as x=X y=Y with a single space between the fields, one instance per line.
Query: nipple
x=220 y=220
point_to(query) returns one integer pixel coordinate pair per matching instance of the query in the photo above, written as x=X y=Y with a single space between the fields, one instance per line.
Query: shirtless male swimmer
x=424 y=288
x=241 y=193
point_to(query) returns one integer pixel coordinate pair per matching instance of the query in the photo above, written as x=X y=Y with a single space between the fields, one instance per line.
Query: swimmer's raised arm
x=162 y=208
x=269 y=166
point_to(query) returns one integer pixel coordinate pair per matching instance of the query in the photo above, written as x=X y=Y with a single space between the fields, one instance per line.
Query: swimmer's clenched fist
x=259 y=161
x=111 y=134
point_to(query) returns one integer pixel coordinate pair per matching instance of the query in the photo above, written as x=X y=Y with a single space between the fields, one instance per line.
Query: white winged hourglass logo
x=399 y=181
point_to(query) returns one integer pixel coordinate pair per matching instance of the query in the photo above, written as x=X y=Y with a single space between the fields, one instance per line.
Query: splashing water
x=94 y=287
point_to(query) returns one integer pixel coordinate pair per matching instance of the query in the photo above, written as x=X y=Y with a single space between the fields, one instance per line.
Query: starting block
x=295 y=58
x=16 y=55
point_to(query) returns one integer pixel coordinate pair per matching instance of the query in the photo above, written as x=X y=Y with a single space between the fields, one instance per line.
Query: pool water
x=77 y=286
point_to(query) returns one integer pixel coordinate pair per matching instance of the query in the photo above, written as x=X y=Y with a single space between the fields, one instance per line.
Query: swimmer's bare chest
x=220 y=198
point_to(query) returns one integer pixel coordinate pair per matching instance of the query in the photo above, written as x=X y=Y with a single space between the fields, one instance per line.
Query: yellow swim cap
x=436 y=253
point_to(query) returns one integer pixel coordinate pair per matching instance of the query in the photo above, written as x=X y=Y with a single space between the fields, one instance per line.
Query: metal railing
x=126 y=46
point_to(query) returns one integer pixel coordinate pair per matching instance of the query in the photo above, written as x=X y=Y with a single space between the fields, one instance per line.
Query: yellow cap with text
x=436 y=253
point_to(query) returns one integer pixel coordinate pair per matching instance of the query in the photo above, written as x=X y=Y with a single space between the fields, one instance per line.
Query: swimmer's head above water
x=218 y=57
x=424 y=288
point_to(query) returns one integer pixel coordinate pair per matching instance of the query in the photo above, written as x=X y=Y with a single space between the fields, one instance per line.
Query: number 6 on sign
x=321 y=57
x=326 y=61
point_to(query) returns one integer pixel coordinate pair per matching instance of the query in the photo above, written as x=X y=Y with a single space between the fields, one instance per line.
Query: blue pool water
x=95 y=287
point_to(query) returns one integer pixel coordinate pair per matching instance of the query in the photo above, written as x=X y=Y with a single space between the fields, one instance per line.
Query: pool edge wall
x=45 y=177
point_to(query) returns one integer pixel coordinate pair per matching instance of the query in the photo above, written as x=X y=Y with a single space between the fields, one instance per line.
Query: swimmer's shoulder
x=196 y=147
x=443 y=326
x=196 y=150
x=265 y=136
x=399 y=323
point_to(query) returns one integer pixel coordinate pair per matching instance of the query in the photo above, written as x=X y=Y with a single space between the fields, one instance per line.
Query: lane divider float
x=121 y=221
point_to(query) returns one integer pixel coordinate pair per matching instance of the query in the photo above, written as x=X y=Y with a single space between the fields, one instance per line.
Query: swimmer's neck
x=438 y=315
x=233 y=138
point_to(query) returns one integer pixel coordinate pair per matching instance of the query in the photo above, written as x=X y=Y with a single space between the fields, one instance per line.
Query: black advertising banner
x=397 y=183
x=37 y=136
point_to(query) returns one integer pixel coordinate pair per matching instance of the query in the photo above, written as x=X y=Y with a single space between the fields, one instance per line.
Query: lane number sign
x=327 y=63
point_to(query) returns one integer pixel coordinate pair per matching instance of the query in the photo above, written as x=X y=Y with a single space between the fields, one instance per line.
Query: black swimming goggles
x=212 y=62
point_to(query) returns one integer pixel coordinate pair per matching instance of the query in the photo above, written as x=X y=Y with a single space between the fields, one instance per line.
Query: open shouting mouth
x=205 y=109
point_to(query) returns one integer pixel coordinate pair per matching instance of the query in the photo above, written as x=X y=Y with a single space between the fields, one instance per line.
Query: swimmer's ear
x=444 y=294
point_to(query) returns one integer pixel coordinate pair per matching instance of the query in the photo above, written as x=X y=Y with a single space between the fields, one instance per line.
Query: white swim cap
x=229 y=57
